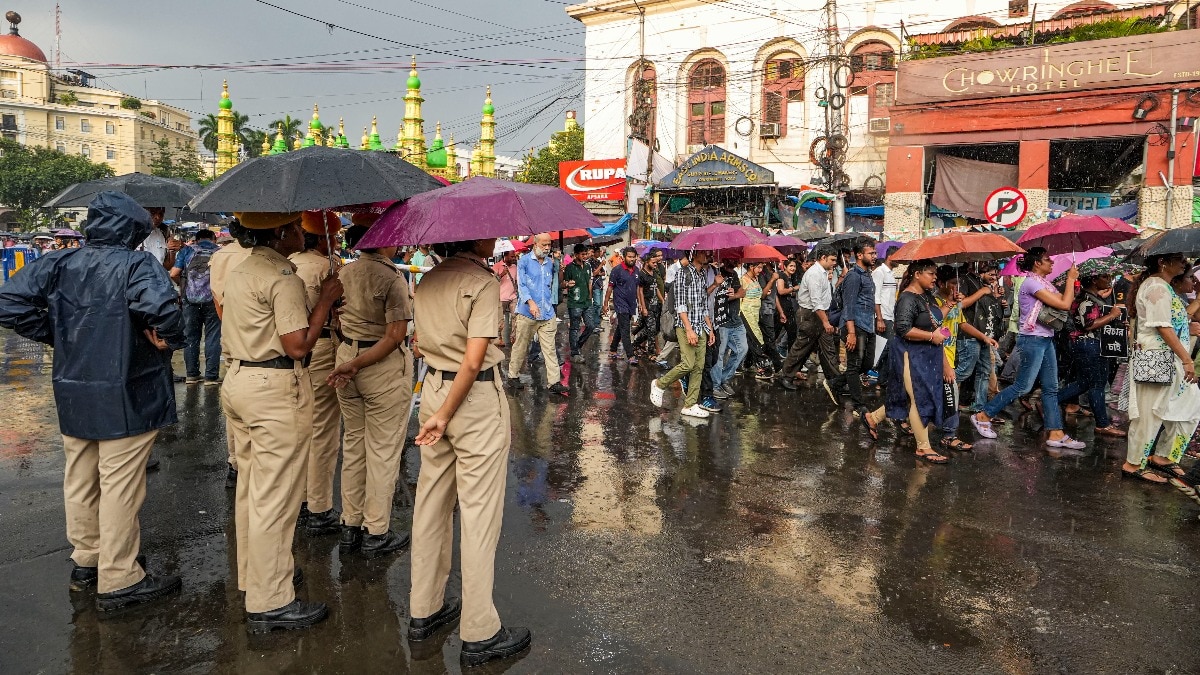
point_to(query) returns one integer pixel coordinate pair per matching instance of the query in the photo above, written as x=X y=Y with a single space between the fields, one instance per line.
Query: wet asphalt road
x=771 y=539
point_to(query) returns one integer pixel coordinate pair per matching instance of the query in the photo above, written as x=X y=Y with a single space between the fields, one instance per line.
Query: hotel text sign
x=1098 y=64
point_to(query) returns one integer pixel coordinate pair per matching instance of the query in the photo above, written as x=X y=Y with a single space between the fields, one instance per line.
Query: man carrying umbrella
x=112 y=316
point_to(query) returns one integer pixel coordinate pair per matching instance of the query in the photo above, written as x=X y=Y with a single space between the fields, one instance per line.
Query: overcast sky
x=348 y=75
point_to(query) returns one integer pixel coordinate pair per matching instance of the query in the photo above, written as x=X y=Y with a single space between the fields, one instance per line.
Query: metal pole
x=1171 y=159
x=838 y=209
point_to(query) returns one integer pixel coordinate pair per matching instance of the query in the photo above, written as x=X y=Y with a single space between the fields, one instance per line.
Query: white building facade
x=751 y=77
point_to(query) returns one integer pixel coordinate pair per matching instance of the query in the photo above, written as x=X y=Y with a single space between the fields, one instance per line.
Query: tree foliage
x=564 y=146
x=177 y=162
x=31 y=176
x=292 y=129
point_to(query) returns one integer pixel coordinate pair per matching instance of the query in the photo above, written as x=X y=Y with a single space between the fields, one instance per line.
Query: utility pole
x=641 y=93
x=836 y=134
x=57 y=37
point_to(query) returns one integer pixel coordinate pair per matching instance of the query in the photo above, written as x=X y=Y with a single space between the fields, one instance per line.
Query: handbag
x=1152 y=366
x=1052 y=318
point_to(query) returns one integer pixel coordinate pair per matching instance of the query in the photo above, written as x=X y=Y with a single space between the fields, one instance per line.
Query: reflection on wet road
x=771 y=538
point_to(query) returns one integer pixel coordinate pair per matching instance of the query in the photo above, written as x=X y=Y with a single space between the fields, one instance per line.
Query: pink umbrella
x=1062 y=262
x=717 y=236
x=1073 y=234
x=786 y=244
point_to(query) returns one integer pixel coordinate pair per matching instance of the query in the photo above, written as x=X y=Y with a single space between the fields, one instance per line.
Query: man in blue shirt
x=858 y=322
x=190 y=271
x=623 y=282
x=535 y=314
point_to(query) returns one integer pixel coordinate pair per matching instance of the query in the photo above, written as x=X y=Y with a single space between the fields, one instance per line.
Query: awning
x=867 y=211
x=715 y=167
x=617 y=227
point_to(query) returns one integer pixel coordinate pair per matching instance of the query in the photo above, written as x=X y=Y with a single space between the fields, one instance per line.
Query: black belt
x=279 y=362
x=357 y=344
x=488 y=375
x=326 y=333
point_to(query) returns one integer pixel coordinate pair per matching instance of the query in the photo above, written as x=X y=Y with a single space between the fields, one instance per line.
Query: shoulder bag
x=1152 y=366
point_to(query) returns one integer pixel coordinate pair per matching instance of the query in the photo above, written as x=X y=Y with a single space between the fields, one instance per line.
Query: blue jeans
x=1090 y=372
x=580 y=316
x=730 y=352
x=1037 y=361
x=973 y=356
x=199 y=318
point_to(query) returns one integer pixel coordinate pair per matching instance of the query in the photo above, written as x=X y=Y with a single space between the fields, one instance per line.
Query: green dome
x=316 y=125
x=436 y=157
x=488 y=108
x=225 y=103
x=414 y=82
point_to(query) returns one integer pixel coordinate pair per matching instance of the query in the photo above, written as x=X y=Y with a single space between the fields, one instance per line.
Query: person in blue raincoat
x=112 y=315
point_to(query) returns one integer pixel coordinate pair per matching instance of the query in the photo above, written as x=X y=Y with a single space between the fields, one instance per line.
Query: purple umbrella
x=67 y=233
x=716 y=236
x=478 y=208
x=786 y=244
x=1062 y=262
x=882 y=247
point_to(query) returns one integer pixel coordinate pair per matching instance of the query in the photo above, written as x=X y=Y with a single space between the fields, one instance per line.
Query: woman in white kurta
x=1162 y=324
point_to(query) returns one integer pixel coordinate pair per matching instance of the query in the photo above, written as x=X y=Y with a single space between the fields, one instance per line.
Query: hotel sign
x=1160 y=58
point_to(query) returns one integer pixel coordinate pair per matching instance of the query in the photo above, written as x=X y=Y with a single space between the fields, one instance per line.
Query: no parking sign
x=1006 y=207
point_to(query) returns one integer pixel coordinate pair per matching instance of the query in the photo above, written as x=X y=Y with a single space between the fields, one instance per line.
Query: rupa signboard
x=593 y=180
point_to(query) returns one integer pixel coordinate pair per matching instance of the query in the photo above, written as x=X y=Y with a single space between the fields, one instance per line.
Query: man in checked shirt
x=694 y=331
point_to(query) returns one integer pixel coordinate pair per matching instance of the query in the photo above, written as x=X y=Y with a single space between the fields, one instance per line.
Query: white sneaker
x=694 y=411
x=656 y=393
x=1066 y=442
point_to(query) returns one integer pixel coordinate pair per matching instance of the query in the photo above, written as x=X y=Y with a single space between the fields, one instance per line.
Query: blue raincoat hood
x=114 y=219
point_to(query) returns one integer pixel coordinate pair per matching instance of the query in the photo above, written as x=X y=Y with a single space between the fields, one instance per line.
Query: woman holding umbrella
x=1036 y=343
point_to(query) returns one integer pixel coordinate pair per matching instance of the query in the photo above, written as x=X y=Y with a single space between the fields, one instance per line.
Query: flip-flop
x=871 y=429
x=1171 y=469
x=1143 y=474
x=933 y=457
x=954 y=443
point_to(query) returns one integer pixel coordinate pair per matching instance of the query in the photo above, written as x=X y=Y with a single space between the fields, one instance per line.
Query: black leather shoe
x=324 y=522
x=292 y=616
x=302 y=518
x=83 y=578
x=151 y=587
x=423 y=629
x=788 y=383
x=505 y=643
x=231 y=477
x=376 y=545
x=352 y=538
x=152 y=464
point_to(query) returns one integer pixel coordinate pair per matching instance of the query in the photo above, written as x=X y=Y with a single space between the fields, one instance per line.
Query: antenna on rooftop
x=57 y=36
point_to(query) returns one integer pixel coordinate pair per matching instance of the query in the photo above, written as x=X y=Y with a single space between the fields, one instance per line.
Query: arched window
x=783 y=83
x=642 y=117
x=971 y=23
x=1084 y=8
x=706 y=103
x=873 y=55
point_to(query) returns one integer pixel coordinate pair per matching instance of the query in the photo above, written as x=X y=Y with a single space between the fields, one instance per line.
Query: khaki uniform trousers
x=269 y=411
x=327 y=424
x=469 y=465
x=104 y=485
x=375 y=407
x=547 y=332
x=229 y=449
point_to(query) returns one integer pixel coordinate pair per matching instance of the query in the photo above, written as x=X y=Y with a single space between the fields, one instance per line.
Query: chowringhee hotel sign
x=1159 y=58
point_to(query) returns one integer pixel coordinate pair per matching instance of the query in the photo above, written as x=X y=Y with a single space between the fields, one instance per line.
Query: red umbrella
x=1072 y=233
x=955 y=247
x=757 y=253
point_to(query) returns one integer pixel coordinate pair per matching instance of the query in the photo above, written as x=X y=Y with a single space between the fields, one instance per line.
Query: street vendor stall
x=713 y=185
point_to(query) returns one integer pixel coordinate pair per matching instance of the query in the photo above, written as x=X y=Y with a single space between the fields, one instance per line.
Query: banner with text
x=594 y=180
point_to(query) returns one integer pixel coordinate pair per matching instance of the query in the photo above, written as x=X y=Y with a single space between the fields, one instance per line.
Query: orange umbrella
x=957 y=247
x=756 y=253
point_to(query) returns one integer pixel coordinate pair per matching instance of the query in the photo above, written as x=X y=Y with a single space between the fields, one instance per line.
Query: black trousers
x=810 y=337
x=620 y=335
x=858 y=360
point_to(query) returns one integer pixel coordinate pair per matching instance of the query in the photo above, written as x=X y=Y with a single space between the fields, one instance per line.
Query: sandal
x=1144 y=474
x=954 y=443
x=1185 y=488
x=904 y=426
x=983 y=428
x=932 y=457
x=872 y=429
x=1171 y=469
x=1112 y=430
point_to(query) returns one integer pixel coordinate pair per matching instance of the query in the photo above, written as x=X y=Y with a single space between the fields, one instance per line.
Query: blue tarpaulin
x=612 y=228
x=870 y=211
x=1126 y=212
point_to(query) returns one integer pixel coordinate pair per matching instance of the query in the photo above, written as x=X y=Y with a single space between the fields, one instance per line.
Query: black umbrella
x=808 y=234
x=1128 y=244
x=605 y=240
x=844 y=241
x=1185 y=240
x=148 y=191
x=314 y=178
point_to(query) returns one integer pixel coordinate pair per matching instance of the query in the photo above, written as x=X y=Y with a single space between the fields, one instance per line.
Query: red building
x=1080 y=118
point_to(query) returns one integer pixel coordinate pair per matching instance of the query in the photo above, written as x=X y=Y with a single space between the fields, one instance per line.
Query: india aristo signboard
x=716 y=167
x=1159 y=58
x=594 y=180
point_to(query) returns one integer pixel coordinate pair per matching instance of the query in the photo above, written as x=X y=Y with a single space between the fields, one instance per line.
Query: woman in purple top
x=1036 y=343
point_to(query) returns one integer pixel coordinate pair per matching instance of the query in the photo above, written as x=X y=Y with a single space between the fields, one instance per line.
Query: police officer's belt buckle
x=279 y=362
x=488 y=375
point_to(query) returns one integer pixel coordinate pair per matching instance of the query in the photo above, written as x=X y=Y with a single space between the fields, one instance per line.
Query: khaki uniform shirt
x=312 y=268
x=376 y=294
x=457 y=300
x=264 y=298
x=219 y=266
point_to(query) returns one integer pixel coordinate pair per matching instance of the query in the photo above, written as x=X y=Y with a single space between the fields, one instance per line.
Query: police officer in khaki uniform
x=312 y=266
x=219 y=264
x=267 y=397
x=373 y=378
x=464 y=439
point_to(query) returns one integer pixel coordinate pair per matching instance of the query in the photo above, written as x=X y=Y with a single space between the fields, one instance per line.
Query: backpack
x=837 y=303
x=196 y=288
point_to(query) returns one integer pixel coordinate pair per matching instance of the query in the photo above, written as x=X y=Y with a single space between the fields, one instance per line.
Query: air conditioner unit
x=880 y=125
x=769 y=130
